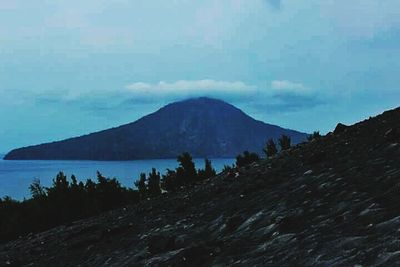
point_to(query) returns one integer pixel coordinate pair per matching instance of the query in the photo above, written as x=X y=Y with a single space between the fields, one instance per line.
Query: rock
x=392 y=149
x=340 y=128
x=181 y=241
x=389 y=224
x=316 y=157
x=233 y=222
x=392 y=134
x=248 y=223
x=180 y=208
x=292 y=224
x=161 y=243
x=309 y=172
x=196 y=255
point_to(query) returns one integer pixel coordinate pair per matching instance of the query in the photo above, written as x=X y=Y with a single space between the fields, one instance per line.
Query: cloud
x=142 y=92
x=191 y=88
x=189 y=85
x=287 y=96
x=288 y=86
x=278 y=96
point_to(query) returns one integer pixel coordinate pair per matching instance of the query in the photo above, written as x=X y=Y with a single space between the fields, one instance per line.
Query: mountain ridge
x=205 y=127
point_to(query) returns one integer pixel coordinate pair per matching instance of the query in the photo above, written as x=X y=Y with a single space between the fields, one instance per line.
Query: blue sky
x=74 y=67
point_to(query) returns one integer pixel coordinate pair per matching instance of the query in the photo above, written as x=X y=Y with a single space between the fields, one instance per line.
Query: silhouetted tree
x=270 y=148
x=109 y=192
x=153 y=184
x=141 y=185
x=208 y=171
x=284 y=142
x=186 y=173
x=246 y=159
x=62 y=202
x=169 y=181
x=60 y=186
x=314 y=135
x=228 y=168
x=37 y=190
x=67 y=199
x=90 y=187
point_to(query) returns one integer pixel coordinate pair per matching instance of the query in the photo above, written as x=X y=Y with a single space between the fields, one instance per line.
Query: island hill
x=204 y=127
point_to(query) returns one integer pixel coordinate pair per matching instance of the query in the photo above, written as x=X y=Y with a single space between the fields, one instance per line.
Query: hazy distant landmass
x=204 y=127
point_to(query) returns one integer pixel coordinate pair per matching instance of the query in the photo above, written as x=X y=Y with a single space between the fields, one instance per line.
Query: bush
x=37 y=190
x=270 y=148
x=285 y=142
x=313 y=136
x=208 y=171
x=246 y=159
x=228 y=168
x=186 y=173
x=65 y=201
x=153 y=184
x=141 y=186
x=168 y=181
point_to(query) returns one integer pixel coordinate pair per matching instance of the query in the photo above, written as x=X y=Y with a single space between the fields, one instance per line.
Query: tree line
x=67 y=200
x=271 y=149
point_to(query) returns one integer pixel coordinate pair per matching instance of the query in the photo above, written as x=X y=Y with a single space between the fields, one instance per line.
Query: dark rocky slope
x=333 y=201
x=204 y=127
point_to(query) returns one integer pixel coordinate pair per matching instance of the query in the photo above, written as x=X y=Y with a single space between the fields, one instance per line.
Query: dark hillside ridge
x=333 y=201
x=204 y=127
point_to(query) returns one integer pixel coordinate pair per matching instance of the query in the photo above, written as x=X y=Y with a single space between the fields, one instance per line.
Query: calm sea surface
x=16 y=176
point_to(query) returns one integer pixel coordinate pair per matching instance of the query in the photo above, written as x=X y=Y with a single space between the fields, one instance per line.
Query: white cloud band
x=193 y=88
x=284 y=86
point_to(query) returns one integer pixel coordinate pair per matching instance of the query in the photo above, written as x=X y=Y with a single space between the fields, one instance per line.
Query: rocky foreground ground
x=332 y=201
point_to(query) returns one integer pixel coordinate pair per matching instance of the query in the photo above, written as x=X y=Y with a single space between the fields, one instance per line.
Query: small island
x=204 y=126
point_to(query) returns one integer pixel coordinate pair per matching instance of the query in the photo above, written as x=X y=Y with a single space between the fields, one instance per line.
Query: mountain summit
x=204 y=127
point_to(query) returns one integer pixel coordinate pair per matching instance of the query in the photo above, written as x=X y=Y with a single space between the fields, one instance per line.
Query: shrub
x=228 y=168
x=60 y=203
x=37 y=190
x=186 y=173
x=67 y=200
x=270 y=148
x=284 y=142
x=313 y=136
x=153 y=184
x=208 y=171
x=141 y=186
x=168 y=181
x=246 y=159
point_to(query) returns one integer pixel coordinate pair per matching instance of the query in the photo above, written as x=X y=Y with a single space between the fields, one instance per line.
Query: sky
x=73 y=67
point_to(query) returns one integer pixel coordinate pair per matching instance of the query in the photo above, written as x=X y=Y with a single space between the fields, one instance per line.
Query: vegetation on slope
x=68 y=200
